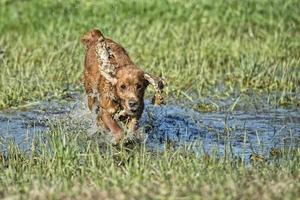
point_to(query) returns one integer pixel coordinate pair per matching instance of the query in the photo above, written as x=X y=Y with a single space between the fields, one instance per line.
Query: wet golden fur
x=115 y=99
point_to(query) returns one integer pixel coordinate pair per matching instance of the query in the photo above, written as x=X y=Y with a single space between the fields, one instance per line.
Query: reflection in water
x=244 y=133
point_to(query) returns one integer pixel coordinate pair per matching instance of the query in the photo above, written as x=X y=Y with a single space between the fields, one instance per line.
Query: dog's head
x=130 y=89
x=91 y=37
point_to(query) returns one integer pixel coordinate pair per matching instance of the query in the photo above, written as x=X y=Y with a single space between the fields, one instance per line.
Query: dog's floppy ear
x=91 y=36
x=158 y=84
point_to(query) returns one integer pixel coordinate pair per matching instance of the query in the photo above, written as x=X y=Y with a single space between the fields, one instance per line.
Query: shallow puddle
x=243 y=133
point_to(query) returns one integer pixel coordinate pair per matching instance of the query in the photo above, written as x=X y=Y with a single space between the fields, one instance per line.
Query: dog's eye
x=123 y=87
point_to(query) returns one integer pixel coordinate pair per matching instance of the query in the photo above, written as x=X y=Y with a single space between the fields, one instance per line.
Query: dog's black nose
x=133 y=104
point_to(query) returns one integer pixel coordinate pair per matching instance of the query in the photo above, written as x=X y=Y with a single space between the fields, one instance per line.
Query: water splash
x=243 y=132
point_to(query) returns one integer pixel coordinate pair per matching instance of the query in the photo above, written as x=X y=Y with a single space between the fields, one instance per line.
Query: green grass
x=244 y=51
x=215 y=49
x=71 y=166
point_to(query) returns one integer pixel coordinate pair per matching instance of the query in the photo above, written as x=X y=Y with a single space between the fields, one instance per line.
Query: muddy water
x=243 y=133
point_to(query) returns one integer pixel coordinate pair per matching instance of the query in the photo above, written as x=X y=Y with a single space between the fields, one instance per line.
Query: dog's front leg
x=134 y=129
x=112 y=125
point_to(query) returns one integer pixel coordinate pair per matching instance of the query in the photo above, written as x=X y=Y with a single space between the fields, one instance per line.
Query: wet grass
x=71 y=166
x=247 y=51
x=205 y=49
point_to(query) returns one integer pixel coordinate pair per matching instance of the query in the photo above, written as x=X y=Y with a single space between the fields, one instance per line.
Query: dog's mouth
x=131 y=107
x=131 y=110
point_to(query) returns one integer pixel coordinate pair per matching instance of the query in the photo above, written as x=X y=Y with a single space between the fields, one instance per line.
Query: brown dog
x=114 y=84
